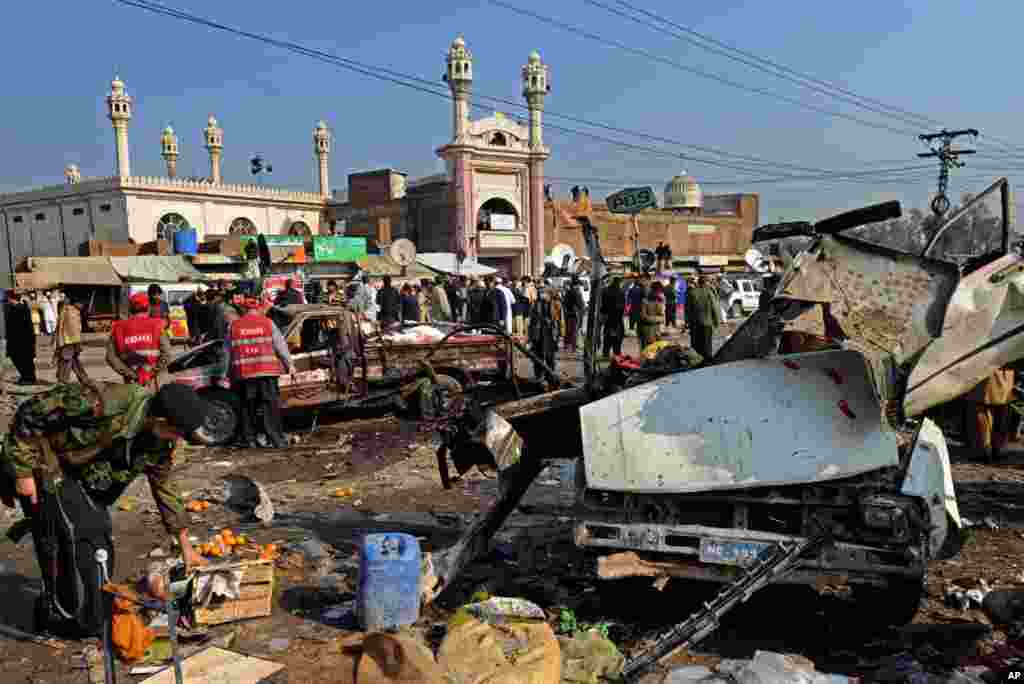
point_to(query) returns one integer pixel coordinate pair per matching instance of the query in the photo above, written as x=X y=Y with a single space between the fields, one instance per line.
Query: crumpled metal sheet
x=802 y=418
x=983 y=331
x=885 y=301
x=501 y=439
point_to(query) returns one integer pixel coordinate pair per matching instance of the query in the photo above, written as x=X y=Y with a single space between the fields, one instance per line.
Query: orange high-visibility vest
x=252 y=348
x=137 y=340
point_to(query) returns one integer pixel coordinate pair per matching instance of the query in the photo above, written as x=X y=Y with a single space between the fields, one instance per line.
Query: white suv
x=745 y=297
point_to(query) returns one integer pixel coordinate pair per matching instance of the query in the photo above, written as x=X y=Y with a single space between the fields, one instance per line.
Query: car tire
x=440 y=398
x=736 y=310
x=221 y=422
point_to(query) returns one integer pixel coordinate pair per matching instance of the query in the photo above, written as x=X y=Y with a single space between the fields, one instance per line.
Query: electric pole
x=948 y=159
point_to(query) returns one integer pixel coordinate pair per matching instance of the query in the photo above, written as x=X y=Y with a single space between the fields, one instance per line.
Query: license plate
x=740 y=553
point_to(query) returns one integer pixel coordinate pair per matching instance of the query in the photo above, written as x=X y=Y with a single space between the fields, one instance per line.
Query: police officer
x=138 y=349
x=259 y=355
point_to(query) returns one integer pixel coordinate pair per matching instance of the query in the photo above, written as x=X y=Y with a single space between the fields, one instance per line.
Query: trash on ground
x=219 y=665
x=246 y=495
x=1004 y=606
x=766 y=667
x=516 y=653
x=589 y=657
x=197 y=506
x=343 y=492
x=397 y=658
x=499 y=610
x=127 y=503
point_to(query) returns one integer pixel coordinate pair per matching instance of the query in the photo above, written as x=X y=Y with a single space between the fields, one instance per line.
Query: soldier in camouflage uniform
x=74 y=432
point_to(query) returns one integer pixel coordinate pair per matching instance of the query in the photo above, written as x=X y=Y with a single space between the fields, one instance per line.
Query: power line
x=779 y=70
x=432 y=88
x=698 y=72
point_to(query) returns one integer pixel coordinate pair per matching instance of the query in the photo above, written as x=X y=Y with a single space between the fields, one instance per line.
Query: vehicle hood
x=803 y=418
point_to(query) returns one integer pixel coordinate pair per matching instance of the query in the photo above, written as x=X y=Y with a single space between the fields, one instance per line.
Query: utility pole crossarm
x=948 y=159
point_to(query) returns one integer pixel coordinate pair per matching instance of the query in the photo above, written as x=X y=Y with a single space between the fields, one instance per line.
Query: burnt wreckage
x=762 y=467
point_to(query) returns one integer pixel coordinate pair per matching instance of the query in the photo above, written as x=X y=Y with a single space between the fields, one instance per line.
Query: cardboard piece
x=219 y=665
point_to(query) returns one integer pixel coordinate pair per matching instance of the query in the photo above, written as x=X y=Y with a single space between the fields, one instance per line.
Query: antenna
x=948 y=159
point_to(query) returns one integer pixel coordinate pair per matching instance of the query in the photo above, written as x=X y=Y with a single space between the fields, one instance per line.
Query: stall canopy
x=155 y=269
x=445 y=262
x=376 y=265
x=45 y=272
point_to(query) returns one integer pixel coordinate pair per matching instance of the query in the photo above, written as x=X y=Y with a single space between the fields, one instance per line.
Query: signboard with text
x=632 y=200
x=295 y=246
x=338 y=248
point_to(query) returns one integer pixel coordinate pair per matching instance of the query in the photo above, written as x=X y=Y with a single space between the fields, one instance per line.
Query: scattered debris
x=197 y=506
x=1004 y=606
x=515 y=653
x=127 y=503
x=246 y=495
x=498 y=610
x=589 y=657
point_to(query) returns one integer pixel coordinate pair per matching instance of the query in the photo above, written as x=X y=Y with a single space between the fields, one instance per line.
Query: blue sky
x=268 y=100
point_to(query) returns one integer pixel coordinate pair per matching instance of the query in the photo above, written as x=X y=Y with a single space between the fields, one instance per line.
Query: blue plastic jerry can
x=389 y=581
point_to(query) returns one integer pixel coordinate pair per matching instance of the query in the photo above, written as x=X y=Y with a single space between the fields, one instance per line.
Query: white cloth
x=49 y=315
x=510 y=299
x=225 y=583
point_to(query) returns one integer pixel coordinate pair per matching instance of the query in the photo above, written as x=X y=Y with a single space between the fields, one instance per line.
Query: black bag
x=69 y=528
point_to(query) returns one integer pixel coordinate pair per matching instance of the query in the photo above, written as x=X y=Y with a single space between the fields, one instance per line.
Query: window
x=40 y=216
x=498 y=139
x=78 y=211
x=242 y=226
x=168 y=224
x=300 y=228
x=105 y=208
x=18 y=219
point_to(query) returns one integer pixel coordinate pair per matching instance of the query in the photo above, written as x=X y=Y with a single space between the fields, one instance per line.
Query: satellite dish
x=756 y=261
x=563 y=255
x=402 y=252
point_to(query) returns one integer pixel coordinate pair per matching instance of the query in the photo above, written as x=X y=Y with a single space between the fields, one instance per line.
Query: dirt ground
x=391 y=472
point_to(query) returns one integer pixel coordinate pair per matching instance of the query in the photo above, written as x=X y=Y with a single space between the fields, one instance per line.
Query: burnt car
x=388 y=369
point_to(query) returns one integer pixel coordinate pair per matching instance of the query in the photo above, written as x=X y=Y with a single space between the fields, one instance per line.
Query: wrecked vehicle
x=701 y=471
x=388 y=369
x=811 y=467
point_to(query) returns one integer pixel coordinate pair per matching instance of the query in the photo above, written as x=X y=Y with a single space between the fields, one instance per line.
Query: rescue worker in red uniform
x=138 y=349
x=259 y=355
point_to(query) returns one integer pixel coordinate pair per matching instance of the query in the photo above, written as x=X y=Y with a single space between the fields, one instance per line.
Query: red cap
x=139 y=302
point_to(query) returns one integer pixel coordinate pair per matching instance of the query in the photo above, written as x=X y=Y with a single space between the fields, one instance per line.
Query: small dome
x=117 y=83
x=168 y=131
x=212 y=121
x=459 y=42
x=534 y=57
x=322 y=126
x=683 y=192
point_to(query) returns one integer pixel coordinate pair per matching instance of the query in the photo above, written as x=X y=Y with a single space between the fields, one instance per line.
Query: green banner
x=338 y=248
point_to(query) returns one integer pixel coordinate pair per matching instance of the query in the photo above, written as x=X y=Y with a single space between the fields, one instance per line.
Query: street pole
x=636 y=242
x=948 y=159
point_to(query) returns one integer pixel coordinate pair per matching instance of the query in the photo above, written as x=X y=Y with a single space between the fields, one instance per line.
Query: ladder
x=773 y=562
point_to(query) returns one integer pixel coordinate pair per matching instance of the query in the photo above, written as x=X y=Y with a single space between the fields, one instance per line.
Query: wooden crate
x=255 y=598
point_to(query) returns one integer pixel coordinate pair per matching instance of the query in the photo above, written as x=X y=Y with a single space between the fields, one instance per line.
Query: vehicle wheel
x=736 y=310
x=222 y=420
x=438 y=398
x=891 y=606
